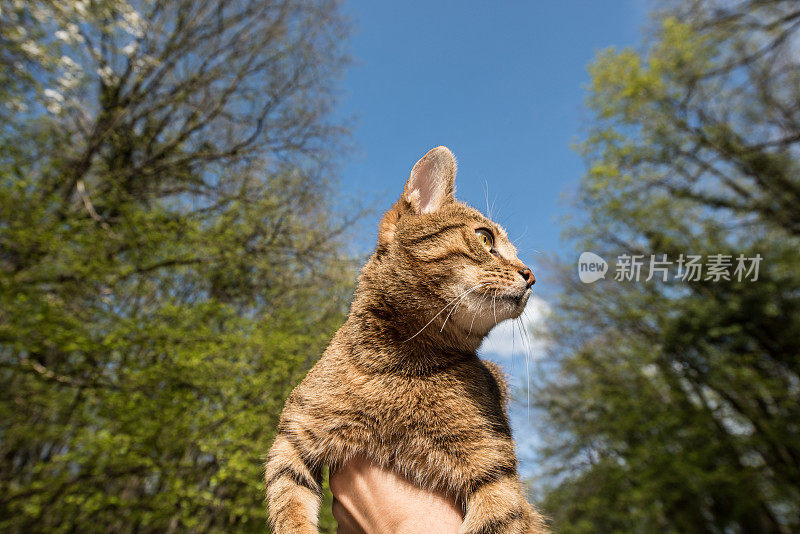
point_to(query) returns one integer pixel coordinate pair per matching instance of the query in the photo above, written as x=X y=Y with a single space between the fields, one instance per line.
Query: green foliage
x=675 y=405
x=169 y=261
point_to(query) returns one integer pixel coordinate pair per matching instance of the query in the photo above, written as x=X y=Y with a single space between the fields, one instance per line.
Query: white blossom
x=53 y=107
x=74 y=33
x=144 y=62
x=132 y=17
x=129 y=49
x=133 y=23
x=67 y=81
x=54 y=101
x=106 y=74
x=68 y=63
x=19 y=31
x=54 y=95
x=80 y=7
x=38 y=13
x=31 y=48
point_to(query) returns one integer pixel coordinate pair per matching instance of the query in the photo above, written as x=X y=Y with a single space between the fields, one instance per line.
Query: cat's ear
x=432 y=182
x=431 y=185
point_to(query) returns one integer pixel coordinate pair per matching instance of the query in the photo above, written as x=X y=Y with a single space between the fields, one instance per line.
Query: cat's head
x=437 y=255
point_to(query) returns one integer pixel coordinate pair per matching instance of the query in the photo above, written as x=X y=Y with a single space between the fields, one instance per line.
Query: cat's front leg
x=294 y=489
x=499 y=507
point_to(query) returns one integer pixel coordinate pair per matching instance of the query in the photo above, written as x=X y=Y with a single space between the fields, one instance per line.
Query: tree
x=675 y=405
x=170 y=262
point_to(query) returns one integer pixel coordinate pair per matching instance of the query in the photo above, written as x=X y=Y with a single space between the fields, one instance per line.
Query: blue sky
x=503 y=85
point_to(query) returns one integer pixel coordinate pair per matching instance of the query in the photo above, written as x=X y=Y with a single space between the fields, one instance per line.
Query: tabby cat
x=401 y=383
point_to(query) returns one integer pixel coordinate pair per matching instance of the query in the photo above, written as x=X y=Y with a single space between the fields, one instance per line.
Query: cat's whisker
x=459 y=302
x=456 y=306
x=527 y=354
x=520 y=237
x=513 y=331
x=494 y=306
x=477 y=309
x=527 y=332
x=438 y=314
x=515 y=327
x=486 y=194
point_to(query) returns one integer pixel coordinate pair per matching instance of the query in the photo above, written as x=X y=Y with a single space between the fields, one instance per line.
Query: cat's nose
x=528 y=276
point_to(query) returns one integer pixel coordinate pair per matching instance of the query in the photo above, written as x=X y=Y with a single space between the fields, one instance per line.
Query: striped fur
x=400 y=382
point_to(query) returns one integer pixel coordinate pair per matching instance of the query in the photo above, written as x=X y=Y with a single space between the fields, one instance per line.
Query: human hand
x=371 y=500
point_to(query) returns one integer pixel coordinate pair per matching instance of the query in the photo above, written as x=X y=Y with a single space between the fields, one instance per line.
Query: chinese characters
x=687 y=268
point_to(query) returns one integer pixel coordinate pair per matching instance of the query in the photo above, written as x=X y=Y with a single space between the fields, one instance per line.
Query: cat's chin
x=514 y=303
x=520 y=300
x=480 y=318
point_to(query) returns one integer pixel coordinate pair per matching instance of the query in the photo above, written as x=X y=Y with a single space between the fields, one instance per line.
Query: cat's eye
x=486 y=238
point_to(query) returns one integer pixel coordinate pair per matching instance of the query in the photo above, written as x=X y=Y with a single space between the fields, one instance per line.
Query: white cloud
x=506 y=340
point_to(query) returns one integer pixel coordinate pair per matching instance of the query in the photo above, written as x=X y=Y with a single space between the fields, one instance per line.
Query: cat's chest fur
x=416 y=423
x=450 y=400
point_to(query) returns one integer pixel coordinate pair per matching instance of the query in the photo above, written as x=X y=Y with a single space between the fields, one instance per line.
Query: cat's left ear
x=432 y=182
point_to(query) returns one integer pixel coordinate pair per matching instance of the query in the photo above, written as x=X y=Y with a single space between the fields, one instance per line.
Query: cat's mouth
x=519 y=298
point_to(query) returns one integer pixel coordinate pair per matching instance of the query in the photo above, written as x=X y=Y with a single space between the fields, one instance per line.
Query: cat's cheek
x=470 y=276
